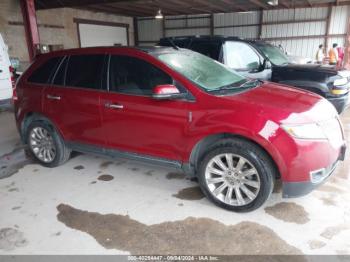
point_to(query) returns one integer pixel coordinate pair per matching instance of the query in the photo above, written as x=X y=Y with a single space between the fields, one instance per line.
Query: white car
x=6 y=73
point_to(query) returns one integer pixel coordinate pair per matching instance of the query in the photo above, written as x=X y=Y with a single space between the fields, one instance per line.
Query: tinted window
x=44 y=72
x=85 y=71
x=131 y=75
x=61 y=72
x=210 y=49
x=240 y=56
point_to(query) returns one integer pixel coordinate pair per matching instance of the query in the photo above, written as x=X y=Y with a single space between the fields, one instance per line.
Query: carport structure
x=298 y=25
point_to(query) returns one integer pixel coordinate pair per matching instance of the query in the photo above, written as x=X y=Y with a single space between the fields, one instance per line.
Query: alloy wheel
x=42 y=144
x=232 y=179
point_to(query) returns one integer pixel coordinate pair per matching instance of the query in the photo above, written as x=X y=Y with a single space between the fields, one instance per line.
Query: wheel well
x=202 y=147
x=28 y=118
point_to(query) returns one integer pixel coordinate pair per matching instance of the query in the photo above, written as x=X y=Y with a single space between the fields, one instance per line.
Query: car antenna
x=173 y=44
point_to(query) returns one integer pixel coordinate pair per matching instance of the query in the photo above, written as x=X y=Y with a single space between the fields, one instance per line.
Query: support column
x=328 y=28
x=136 y=32
x=347 y=47
x=31 y=27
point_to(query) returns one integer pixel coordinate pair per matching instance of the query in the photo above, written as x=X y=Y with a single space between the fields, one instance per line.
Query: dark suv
x=178 y=108
x=260 y=60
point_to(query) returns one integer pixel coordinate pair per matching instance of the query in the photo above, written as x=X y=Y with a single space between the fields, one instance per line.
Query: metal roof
x=144 y=8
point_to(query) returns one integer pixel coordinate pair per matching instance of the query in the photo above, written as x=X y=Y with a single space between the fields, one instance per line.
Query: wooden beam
x=231 y=5
x=211 y=7
x=347 y=47
x=188 y=27
x=261 y=21
x=285 y=4
x=163 y=27
x=48 y=4
x=308 y=3
x=328 y=26
x=259 y=4
x=302 y=37
x=274 y=23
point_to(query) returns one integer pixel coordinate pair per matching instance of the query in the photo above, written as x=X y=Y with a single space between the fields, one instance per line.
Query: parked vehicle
x=179 y=108
x=6 y=73
x=260 y=60
x=295 y=59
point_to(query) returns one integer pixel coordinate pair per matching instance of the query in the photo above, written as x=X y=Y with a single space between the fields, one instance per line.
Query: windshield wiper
x=234 y=87
x=251 y=83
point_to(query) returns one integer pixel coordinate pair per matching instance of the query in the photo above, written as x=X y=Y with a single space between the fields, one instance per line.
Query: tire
x=243 y=187
x=37 y=129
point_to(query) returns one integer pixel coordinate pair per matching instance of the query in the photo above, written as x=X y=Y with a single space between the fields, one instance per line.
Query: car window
x=59 y=77
x=85 y=71
x=240 y=56
x=210 y=49
x=43 y=73
x=130 y=75
x=273 y=53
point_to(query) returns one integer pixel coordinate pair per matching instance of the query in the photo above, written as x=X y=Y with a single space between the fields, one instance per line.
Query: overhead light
x=159 y=14
x=273 y=2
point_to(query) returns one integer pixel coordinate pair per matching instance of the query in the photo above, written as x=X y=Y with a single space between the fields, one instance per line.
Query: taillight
x=14 y=95
x=13 y=82
x=12 y=75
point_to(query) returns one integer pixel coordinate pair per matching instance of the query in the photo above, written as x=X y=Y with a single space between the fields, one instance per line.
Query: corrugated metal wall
x=299 y=31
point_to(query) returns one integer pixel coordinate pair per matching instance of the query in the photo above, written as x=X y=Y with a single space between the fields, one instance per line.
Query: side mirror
x=167 y=92
x=254 y=67
x=266 y=64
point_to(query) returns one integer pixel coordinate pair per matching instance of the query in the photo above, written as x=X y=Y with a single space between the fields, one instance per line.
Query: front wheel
x=236 y=175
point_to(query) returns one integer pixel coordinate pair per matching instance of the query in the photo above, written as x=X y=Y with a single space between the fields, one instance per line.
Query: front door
x=245 y=60
x=135 y=122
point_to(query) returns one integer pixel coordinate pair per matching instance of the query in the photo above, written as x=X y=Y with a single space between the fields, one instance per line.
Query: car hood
x=285 y=105
x=312 y=68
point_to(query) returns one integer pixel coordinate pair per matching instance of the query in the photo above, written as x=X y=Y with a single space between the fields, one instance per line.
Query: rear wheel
x=46 y=145
x=236 y=175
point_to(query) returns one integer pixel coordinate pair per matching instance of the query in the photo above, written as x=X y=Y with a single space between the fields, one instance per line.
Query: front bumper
x=297 y=189
x=340 y=103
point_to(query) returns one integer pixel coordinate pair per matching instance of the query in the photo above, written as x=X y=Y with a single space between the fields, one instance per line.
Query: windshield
x=205 y=72
x=274 y=54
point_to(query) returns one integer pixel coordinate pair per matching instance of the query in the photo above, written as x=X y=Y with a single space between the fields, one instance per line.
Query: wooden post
x=261 y=23
x=347 y=47
x=211 y=24
x=136 y=32
x=328 y=28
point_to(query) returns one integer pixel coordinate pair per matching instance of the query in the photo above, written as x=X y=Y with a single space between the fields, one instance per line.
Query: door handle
x=53 y=97
x=114 y=106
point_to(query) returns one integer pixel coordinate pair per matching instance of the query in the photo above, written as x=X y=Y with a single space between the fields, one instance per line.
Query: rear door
x=72 y=102
x=31 y=93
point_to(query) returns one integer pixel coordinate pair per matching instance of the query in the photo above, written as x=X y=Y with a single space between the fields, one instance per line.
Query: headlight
x=306 y=131
x=340 y=82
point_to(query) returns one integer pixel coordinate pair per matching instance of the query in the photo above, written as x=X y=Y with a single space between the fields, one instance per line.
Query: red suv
x=178 y=108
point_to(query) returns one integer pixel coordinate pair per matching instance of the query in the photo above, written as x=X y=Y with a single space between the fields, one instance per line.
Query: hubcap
x=42 y=144
x=232 y=179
